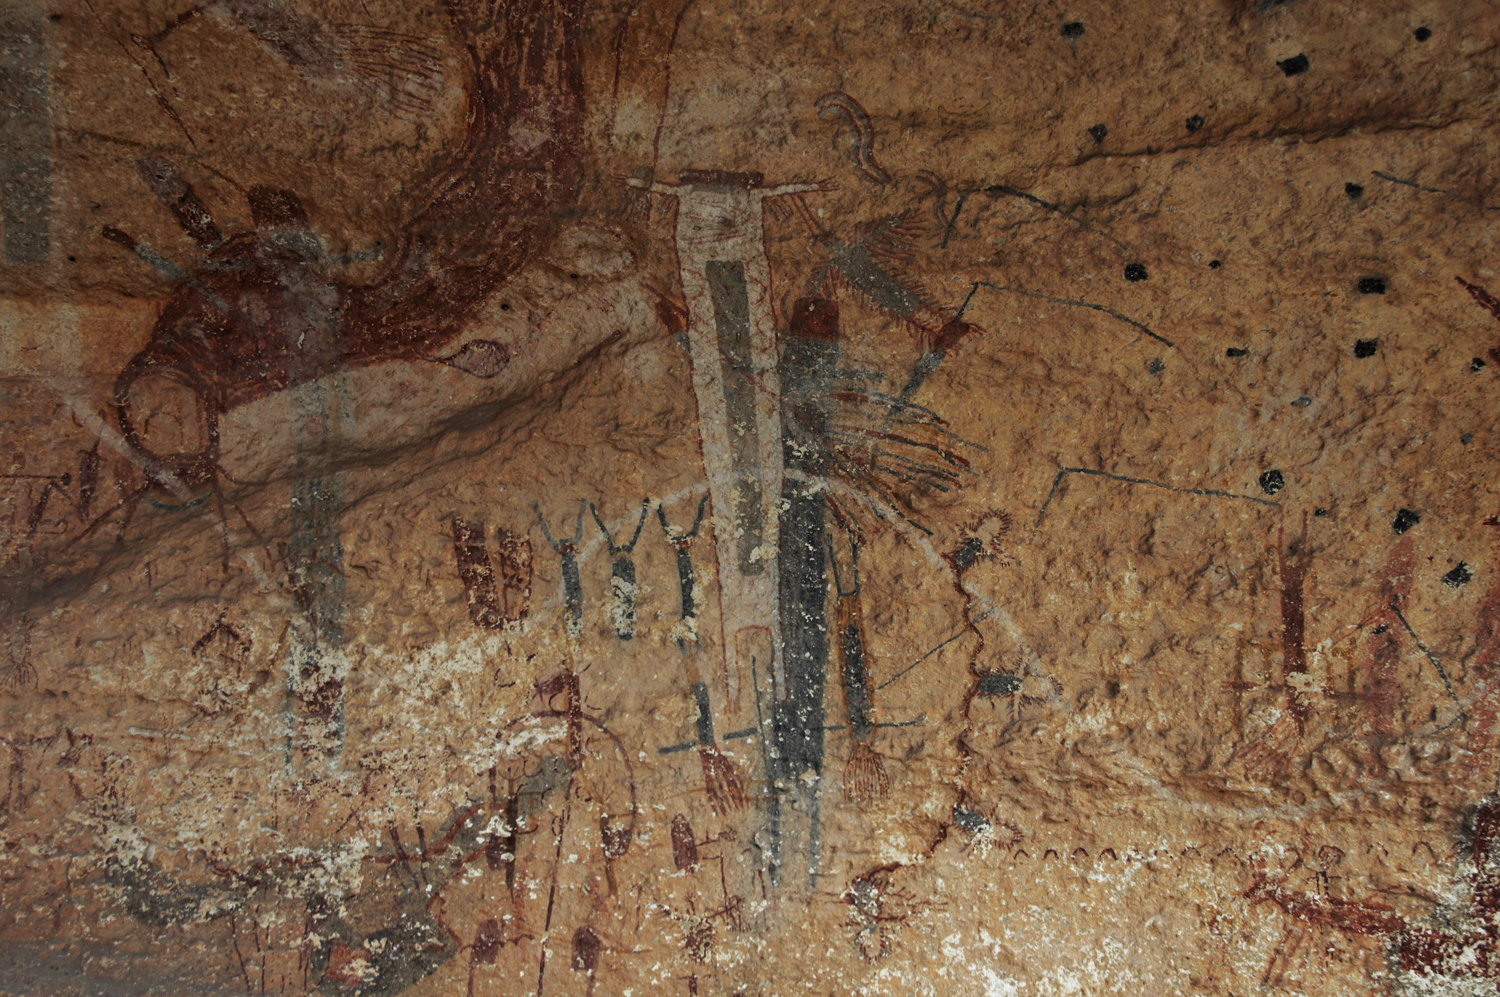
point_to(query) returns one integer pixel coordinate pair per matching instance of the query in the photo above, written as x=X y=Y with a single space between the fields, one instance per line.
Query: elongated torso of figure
x=732 y=336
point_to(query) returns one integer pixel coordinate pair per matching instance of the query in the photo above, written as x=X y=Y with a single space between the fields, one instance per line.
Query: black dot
x=1320 y=511
x=1371 y=285
x=1422 y=34
x=1073 y=29
x=1365 y=347
x=1099 y=132
x=1466 y=439
x=54 y=18
x=1352 y=189
x=572 y=276
x=1214 y=264
x=1195 y=122
x=1156 y=366
x=1476 y=364
x=1301 y=401
x=1135 y=272
x=1272 y=482
x=1295 y=66
x=72 y=259
x=505 y=306
x=1460 y=575
x=1380 y=630
x=1405 y=520
x=1235 y=351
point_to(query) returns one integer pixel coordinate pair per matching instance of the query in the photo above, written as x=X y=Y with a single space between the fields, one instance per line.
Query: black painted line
x=934 y=650
x=959 y=206
x=895 y=401
x=907 y=420
x=736 y=734
x=1410 y=183
x=730 y=295
x=674 y=748
x=937 y=470
x=176 y=506
x=920 y=721
x=705 y=715
x=973 y=290
x=1056 y=480
x=1462 y=713
x=889 y=442
x=1075 y=303
x=1209 y=492
x=923 y=658
x=900 y=402
x=1428 y=190
x=1009 y=191
x=856 y=474
x=886 y=448
x=774 y=803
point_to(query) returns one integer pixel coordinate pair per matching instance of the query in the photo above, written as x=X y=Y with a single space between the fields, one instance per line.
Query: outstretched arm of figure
x=795 y=188
x=843 y=557
x=655 y=188
x=698 y=519
x=609 y=540
x=543 y=521
x=645 y=506
x=583 y=505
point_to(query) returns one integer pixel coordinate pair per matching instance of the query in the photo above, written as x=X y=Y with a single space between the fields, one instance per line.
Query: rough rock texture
x=572 y=497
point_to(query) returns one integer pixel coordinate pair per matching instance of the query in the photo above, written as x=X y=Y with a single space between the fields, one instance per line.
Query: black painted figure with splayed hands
x=567 y=550
x=622 y=575
x=682 y=543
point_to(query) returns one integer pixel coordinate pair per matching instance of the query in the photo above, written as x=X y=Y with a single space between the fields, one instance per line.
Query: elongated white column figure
x=732 y=337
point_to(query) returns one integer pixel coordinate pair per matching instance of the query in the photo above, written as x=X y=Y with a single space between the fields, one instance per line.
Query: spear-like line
x=541 y=967
x=865 y=778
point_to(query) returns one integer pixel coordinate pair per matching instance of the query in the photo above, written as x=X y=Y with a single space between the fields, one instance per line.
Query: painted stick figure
x=682 y=543
x=567 y=550
x=622 y=575
x=725 y=788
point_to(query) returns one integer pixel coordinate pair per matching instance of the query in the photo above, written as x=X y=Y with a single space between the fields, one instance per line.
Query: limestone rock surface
x=955 y=497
